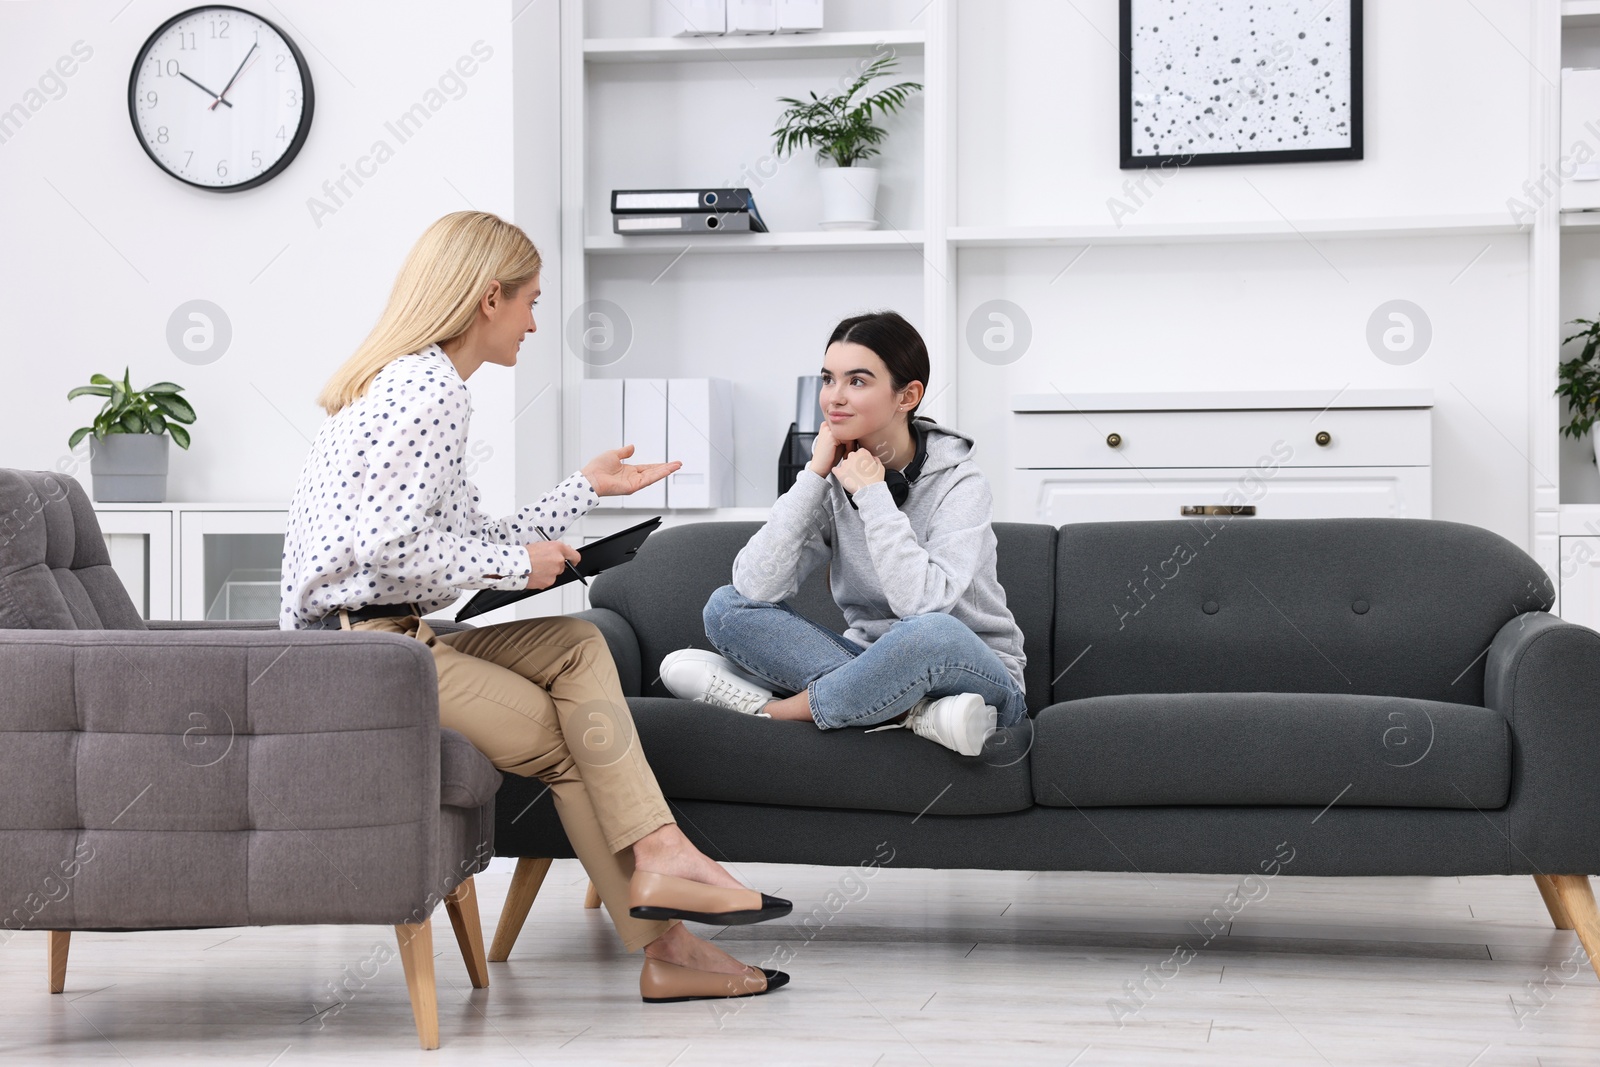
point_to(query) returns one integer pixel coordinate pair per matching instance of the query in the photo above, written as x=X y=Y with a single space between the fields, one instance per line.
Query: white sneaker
x=961 y=722
x=695 y=674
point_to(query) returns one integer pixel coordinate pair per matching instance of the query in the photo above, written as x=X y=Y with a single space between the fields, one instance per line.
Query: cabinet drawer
x=1358 y=437
x=1059 y=497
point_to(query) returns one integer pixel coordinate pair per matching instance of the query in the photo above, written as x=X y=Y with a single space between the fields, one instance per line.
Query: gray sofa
x=185 y=775
x=1380 y=696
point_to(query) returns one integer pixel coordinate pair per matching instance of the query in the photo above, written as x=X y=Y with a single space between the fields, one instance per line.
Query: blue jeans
x=930 y=655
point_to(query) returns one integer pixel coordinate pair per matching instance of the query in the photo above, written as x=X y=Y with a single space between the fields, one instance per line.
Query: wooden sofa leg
x=56 y=956
x=1577 y=904
x=1552 y=901
x=519 y=898
x=416 y=956
x=462 y=906
x=591 y=899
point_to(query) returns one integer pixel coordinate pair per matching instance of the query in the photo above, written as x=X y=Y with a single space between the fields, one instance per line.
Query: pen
x=568 y=562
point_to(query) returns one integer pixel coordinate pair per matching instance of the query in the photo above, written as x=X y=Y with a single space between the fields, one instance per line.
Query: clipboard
x=596 y=556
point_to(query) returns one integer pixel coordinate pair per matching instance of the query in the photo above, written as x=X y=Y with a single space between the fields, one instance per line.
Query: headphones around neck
x=900 y=482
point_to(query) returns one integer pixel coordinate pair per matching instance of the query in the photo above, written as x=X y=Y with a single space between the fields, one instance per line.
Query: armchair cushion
x=466 y=777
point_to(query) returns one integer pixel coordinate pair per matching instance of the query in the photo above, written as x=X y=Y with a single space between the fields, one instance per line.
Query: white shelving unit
x=1565 y=255
x=613 y=87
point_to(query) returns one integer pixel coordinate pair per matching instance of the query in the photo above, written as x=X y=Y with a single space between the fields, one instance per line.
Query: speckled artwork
x=1240 y=76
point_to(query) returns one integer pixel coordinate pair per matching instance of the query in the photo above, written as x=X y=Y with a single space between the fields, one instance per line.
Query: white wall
x=99 y=246
x=1447 y=106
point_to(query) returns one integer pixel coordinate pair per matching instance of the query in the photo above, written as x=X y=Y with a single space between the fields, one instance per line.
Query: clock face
x=220 y=98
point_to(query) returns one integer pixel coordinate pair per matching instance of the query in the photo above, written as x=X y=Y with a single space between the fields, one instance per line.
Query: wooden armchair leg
x=56 y=956
x=591 y=899
x=462 y=906
x=416 y=956
x=1577 y=905
x=1552 y=901
x=525 y=885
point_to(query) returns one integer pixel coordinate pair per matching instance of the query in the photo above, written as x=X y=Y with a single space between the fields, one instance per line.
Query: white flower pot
x=849 y=197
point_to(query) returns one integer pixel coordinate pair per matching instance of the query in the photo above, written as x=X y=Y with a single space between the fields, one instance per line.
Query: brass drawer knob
x=1324 y=438
x=1113 y=439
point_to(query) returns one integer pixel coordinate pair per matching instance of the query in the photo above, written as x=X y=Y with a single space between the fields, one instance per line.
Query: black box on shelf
x=796 y=454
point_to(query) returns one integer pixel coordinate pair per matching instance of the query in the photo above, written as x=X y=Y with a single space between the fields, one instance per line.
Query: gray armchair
x=186 y=776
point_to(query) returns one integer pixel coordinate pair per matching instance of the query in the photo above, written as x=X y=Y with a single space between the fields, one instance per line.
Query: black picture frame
x=1202 y=159
x=295 y=144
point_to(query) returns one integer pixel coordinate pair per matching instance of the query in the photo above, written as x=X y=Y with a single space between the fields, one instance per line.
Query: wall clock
x=220 y=98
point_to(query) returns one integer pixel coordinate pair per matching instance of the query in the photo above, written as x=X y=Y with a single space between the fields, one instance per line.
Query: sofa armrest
x=231 y=625
x=1543 y=674
x=220 y=778
x=624 y=645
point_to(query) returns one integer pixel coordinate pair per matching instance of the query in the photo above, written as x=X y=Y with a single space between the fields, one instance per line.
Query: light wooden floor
x=926 y=967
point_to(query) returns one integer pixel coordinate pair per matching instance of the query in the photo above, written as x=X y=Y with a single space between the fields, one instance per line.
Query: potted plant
x=841 y=128
x=128 y=446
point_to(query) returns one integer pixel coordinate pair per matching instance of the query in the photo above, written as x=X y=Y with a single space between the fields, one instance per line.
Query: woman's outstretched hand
x=612 y=477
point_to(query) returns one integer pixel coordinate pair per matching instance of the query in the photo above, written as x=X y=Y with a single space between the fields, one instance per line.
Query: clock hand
x=208 y=92
x=233 y=79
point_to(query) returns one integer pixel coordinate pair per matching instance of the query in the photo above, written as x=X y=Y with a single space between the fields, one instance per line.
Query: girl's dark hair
x=893 y=340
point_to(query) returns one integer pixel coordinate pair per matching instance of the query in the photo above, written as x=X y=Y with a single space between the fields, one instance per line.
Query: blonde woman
x=384 y=528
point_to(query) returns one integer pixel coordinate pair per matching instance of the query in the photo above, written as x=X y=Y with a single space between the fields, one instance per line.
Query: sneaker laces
x=730 y=694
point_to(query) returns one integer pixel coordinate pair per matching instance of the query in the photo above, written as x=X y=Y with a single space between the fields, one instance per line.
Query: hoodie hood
x=946 y=447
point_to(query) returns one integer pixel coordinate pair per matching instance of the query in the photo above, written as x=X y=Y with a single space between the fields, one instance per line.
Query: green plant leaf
x=175 y=406
x=78 y=435
x=155 y=422
x=100 y=379
x=89 y=390
x=162 y=388
x=180 y=435
x=132 y=421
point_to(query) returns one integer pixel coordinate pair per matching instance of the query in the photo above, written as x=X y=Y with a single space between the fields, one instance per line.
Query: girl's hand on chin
x=826 y=451
x=859 y=468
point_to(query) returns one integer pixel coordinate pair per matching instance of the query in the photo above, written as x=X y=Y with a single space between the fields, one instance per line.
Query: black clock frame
x=305 y=115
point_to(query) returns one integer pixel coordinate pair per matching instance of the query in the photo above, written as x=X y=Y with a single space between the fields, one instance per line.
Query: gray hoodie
x=937 y=553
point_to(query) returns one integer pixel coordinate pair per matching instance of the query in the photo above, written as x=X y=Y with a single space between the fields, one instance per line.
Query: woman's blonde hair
x=435 y=298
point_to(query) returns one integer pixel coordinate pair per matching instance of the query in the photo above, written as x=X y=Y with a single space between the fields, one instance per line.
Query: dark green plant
x=154 y=409
x=837 y=128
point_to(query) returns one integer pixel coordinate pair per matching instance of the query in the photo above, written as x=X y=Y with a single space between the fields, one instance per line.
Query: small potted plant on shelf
x=128 y=438
x=841 y=128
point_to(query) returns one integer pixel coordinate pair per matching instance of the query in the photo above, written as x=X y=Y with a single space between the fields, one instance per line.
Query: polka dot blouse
x=384 y=514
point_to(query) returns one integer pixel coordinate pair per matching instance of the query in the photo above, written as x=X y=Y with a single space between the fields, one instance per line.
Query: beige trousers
x=541 y=698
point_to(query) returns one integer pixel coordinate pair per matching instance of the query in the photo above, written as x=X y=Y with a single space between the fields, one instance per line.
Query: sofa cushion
x=466 y=777
x=701 y=752
x=1271 y=749
x=663 y=591
x=1394 y=607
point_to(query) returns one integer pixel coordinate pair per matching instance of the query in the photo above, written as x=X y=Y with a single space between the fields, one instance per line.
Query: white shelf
x=1578 y=520
x=797 y=241
x=1580 y=13
x=1580 y=220
x=766 y=46
x=1244 y=230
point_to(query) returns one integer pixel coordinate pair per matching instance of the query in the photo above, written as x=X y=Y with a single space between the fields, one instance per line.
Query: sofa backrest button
x=1209 y=607
x=1359 y=607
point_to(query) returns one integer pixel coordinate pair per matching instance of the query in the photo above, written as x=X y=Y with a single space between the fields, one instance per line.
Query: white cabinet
x=142 y=553
x=684 y=419
x=197 y=561
x=1103 y=457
